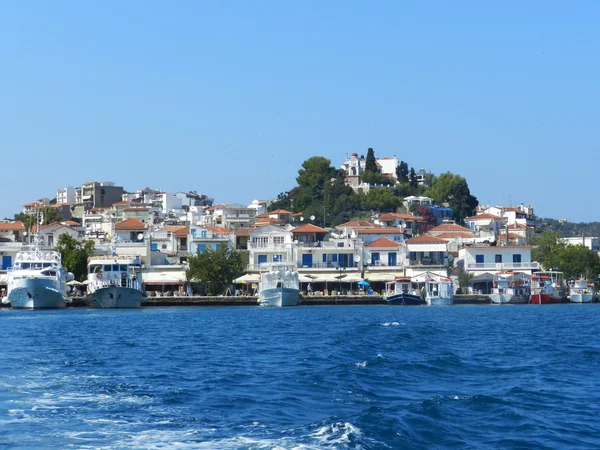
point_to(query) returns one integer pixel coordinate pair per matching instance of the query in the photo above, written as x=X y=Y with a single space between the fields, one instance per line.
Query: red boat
x=547 y=287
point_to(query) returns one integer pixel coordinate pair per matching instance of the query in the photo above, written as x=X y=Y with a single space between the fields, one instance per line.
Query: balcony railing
x=503 y=266
x=269 y=246
x=427 y=262
x=324 y=265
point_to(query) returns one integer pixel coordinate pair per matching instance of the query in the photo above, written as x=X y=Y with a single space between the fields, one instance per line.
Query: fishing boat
x=438 y=290
x=548 y=287
x=115 y=281
x=279 y=285
x=510 y=287
x=401 y=292
x=581 y=292
x=37 y=280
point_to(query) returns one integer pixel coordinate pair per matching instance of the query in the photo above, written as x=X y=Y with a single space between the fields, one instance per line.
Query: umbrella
x=363 y=283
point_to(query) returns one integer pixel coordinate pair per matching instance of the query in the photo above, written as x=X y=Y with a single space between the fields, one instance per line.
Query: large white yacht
x=279 y=286
x=115 y=281
x=37 y=280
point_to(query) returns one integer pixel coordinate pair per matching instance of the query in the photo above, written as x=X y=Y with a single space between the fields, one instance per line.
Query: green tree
x=315 y=172
x=460 y=199
x=546 y=249
x=376 y=178
x=74 y=255
x=215 y=268
x=370 y=162
x=402 y=172
x=412 y=178
x=283 y=202
x=381 y=200
x=577 y=261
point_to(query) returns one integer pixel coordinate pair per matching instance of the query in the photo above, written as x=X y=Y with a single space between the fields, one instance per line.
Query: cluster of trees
x=569 y=229
x=45 y=216
x=74 y=255
x=321 y=192
x=215 y=269
x=574 y=261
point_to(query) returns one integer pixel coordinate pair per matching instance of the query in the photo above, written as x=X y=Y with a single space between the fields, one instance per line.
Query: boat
x=115 y=282
x=37 y=280
x=547 y=287
x=401 y=292
x=581 y=292
x=510 y=287
x=279 y=285
x=438 y=290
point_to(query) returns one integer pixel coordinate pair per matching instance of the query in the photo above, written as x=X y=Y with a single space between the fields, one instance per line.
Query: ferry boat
x=581 y=292
x=115 y=282
x=401 y=292
x=510 y=287
x=279 y=286
x=37 y=280
x=438 y=290
x=548 y=287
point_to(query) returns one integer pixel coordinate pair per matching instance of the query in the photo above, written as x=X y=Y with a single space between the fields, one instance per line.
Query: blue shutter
x=154 y=247
x=201 y=248
x=324 y=258
x=262 y=259
x=217 y=246
x=6 y=262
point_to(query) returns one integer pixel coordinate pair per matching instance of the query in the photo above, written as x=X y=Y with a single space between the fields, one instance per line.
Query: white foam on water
x=361 y=365
x=337 y=433
x=391 y=324
x=379 y=355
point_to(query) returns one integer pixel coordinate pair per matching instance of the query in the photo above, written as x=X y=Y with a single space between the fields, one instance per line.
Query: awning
x=247 y=278
x=381 y=276
x=163 y=278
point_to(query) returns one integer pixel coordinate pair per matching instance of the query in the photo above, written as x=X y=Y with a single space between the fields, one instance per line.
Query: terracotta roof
x=122 y=203
x=242 y=231
x=136 y=209
x=72 y=223
x=391 y=216
x=379 y=230
x=33 y=204
x=449 y=227
x=384 y=242
x=426 y=239
x=219 y=230
x=298 y=214
x=130 y=224
x=519 y=226
x=357 y=224
x=262 y=216
x=182 y=232
x=461 y=234
x=280 y=211
x=309 y=228
x=484 y=216
x=12 y=226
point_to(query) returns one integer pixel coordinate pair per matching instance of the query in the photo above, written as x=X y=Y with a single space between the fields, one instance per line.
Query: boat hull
x=405 y=299
x=36 y=293
x=441 y=301
x=116 y=297
x=278 y=297
x=544 y=299
x=581 y=298
x=508 y=299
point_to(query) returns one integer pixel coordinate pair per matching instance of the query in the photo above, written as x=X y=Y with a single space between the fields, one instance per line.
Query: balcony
x=503 y=266
x=427 y=262
x=270 y=246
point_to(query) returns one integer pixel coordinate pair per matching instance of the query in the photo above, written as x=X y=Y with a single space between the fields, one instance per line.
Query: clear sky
x=229 y=98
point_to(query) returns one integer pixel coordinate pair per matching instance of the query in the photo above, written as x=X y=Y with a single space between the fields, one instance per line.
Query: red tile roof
x=130 y=224
x=242 y=231
x=454 y=235
x=12 y=226
x=449 y=227
x=280 y=211
x=484 y=216
x=391 y=216
x=136 y=209
x=426 y=239
x=182 y=232
x=357 y=224
x=384 y=242
x=122 y=203
x=219 y=230
x=309 y=228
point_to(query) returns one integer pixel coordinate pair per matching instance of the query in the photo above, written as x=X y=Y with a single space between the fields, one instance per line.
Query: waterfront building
x=269 y=244
x=427 y=253
x=65 y=195
x=409 y=223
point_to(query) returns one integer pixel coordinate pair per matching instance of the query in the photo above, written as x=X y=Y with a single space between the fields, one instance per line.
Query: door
x=6 y=262
x=391 y=259
x=262 y=259
x=307 y=260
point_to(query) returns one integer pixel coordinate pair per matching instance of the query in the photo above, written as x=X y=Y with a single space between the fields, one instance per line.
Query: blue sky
x=229 y=98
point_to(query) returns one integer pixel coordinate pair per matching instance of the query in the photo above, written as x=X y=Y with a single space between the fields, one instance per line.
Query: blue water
x=362 y=377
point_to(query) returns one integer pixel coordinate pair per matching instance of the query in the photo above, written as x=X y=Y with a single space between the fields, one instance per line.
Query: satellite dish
x=24 y=233
x=140 y=236
x=288 y=227
x=312 y=217
x=356 y=258
x=301 y=219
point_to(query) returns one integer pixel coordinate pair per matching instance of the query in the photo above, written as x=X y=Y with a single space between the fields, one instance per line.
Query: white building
x=478 y=259
x=589 y=242
x=65 y=196
x=270 y=244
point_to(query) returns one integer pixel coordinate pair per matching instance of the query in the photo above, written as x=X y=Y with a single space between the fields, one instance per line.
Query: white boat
x=438 y=290
x=279 y=286
x=510 y=287
x=115 y=282
x=581 y=292
x=37 y=280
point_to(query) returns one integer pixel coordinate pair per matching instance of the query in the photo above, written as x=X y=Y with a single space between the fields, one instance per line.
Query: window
x=277 y=258
x=479 y=259
x=164 y=246
x=203 y=233
x=278 y=239
x=517 y=258
x=201 y=248
x=498 y=258
x=107 y=268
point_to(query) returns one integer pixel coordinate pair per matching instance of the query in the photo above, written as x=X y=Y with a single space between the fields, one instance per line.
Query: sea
x=308 y=377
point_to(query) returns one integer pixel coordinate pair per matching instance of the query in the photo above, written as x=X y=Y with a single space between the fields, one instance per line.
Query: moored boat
x=401 y=292
x=438 y=290
x=581 y=292
x=279 y=286
x=37 y=280
x=510 y=288
x=115 y=282
x=548 y=287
